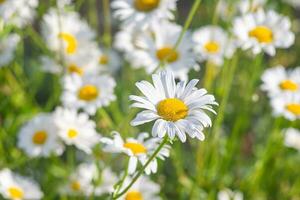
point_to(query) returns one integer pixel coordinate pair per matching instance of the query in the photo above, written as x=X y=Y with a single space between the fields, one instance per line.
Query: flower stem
x=120 y=184
x=187 y=22
x=135 y=178
x=107 y=24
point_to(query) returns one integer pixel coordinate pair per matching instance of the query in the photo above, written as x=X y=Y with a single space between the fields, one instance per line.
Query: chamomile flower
x=228 y=194
x=8 y=46
x=139 y=150
x=142 y=13
x=251 y=6
x=177 y=109
x=212 y=43
x=292 y=138
x=50 y=65
x=17 y=12
x=80 y=182
x=38 y=137
x=109 y=61
x=277 y=80
x=108 y=180
x=287 y=105
x=76 y=129
x=67 y=34
x=16 y=187
x=263 y=31
x=143 y=188
x=88 y=92
x=157 y=46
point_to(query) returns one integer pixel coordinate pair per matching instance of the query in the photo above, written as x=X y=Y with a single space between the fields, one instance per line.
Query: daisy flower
x=109 y=61
x=38 y=137
x=292 y=138
x=212 y=43
x=228 y=194
x=88 y=92
x=142 y=13
x=287 y=105
x=16 y=187
x=177 y=109
x=142 y=189
x=17 y=12
x=8 y=46
x=108 y=180
x=139 y=150
x=278 y=80
x=250 y=6
x=263 y=31
x=70 y=36
x=76 y=129
x=156 y=47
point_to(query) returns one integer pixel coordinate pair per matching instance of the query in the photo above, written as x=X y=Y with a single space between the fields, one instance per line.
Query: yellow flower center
x=134 y=195
x=103 y=60
x=75 y=69
x=39 y=137
x=71 y=42
x=88 y=93
x=294 y=108
x=72 y=133
x=167 y=54
x=135 y=147
x=172 y=109
x=75 y=185
x=288 y=85
x=15 y=193
x=146 y=5
x=262 y=33
x=212 y=47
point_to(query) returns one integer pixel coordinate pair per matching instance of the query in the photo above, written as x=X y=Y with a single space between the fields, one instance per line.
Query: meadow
x=150 y=99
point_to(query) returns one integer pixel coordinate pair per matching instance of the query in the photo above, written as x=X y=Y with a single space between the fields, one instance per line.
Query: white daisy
x=76 y=129
x=16 y=187
x=250 y=6
x=109 y=61
x=177 y=109
x=50 y=65
x=67 y=34
x=278 y=80
x=228 y=194
x=142 y=189
x=108 y=180
x=212 y=43
x=287 y=105
x=38 y=137
x=17 y=12
x=142 y=13
x=88 y=92
x=292 y=138
x=263 y=31
x=8 y=46
x=81 y=181
x=156 y=46
x=139 y=150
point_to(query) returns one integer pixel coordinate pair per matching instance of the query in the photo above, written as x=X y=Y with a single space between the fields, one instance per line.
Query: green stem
x=107 y=36
x=120 y=184
x=135 y=178
x=188 y=22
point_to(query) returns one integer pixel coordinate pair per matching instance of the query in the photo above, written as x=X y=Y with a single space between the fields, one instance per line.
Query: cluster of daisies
x=150 y=39
x=283 y=88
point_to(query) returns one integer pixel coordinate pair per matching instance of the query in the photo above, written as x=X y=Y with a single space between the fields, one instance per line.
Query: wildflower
x=213 y=44
x=278 y=80
x=88 y=92
x=287 y=105
x=263 y=31
x=16 y=187
x=250 y=6
x=292 y=138
x=177 y=109
x=8 y=46
x=228 y=194
x=76 y=128
x=139 y=150
x=38 y=137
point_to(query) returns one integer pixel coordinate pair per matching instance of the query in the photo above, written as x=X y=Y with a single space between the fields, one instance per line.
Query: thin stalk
x=107 y=36
x=141 y=171
x=120 y=184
